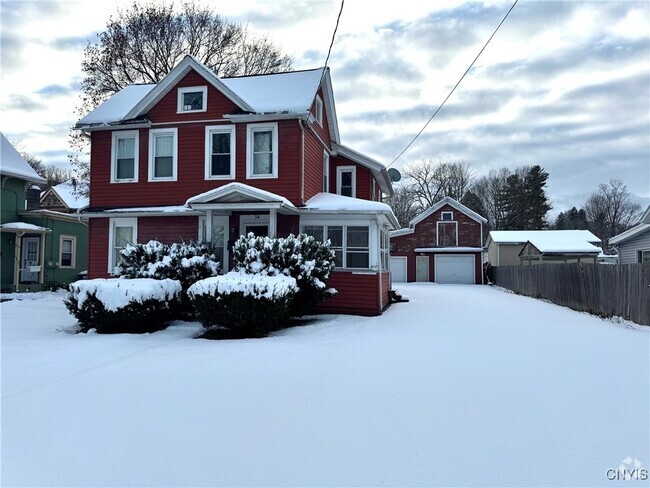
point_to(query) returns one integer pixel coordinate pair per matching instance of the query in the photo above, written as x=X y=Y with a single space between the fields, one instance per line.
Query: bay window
x=351 y=244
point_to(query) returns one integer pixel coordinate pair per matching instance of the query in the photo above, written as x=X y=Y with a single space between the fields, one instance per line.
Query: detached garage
x=443 y=244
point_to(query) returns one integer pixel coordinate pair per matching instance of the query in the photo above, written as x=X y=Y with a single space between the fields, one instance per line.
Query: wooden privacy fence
x=607 y=290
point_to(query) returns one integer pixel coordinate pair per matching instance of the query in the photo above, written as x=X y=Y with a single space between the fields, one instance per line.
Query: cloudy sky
x=564 y=84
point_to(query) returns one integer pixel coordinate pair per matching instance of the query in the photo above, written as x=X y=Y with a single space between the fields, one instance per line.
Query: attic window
x=448 y=216
x=192 y=99
x=319 y=110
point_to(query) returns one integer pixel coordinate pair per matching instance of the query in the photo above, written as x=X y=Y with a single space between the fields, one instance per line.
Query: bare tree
x=404 y=203
x=144 y=42
x=489 y=189
x=430 y=181
x=610 y=210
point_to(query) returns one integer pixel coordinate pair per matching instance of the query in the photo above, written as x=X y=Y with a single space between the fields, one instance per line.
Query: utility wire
x=329 y=51
x=455 y=86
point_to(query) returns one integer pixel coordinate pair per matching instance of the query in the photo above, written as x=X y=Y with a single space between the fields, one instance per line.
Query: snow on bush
x=243 y=305
x=187 y=262
x=122 y=305
x=302 y=257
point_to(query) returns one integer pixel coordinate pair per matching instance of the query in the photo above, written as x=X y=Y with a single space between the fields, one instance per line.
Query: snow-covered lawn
x=464 y=385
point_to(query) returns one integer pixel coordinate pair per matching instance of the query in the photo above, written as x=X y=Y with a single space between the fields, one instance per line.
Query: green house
x=39 y=248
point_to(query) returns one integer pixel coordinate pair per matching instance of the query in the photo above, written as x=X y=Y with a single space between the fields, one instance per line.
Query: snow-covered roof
x=22 y=227
x=452 y=203
x=376 y=168
x=118 y=106
x=144 y=211
x=291 y=92
x=523 y=236
x=13 y=164
x=333 y=202
x=628 y=234
x=283 y=92
x=641 y=227
x=237 y=192
x=65 y=192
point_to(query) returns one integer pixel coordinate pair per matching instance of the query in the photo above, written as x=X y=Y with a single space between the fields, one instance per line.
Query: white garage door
x=398 y=269
x=455 y=269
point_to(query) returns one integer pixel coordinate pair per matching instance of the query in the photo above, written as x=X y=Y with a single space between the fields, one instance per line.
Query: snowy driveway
x=463 y=386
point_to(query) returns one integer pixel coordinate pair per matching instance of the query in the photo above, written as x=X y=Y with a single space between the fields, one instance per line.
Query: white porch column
x=208 y=226
x=17 y=258
x=273 y=222
x=42 y=259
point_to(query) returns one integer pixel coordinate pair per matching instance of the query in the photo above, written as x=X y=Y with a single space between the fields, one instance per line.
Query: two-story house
x=201 y=157
x=39 y=248
x=443 y=244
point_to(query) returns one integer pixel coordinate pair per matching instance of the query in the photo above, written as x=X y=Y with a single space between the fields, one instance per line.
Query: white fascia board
x=452 y=203
x=365 y=214
x=266 y=117
x=449 y=249
x=113 y=126
x=175 y=75
x=624 y=236
x=328 y=100
x=401 y=232
x=378 y=170
x=246 y=206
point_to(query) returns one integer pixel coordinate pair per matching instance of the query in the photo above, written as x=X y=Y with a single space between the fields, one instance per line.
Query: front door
x=30 y=260
x=422 y=268
x=258 y=230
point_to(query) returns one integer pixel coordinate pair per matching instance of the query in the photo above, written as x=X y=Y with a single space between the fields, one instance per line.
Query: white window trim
x=152 y=138
x=373 y=240
x=326 y=172
x=442 y=216
x=219 y=129
x=343 y=169
x=125 y=134
x=250 y=131
x=319 y=110
x=445 y=222
x=73 y=261
x=119 y=222
x=191 y=89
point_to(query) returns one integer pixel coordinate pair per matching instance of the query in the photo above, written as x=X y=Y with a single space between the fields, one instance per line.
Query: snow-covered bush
x=121 y=305
x=238 y=305
x=186 y=262
x=302 y=257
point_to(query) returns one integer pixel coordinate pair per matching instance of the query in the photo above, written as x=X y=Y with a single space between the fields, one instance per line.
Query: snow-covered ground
x=463 y=386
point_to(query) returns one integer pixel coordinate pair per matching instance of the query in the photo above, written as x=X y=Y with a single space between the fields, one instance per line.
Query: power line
x=329 y=51
x=455 y=86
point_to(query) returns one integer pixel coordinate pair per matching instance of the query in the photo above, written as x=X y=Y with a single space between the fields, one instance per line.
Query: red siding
x=324 y=130
x=288 y=224
x=98 y=248
x=168 y=229
x=363 y=181
x=313 y=165
x=166 y=109
x=358 y=294
x=385 y=287
x=191 y=169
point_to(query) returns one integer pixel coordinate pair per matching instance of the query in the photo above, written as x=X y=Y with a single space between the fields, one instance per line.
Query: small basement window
x=447 y=216
x=192 y=99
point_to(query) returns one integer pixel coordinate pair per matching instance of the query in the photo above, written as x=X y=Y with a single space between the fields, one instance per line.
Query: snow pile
x=253 y=285
x=117 y=293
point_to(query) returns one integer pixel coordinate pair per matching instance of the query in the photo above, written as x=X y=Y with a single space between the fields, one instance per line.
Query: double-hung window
x=262 y=150
x=124 y=157
x=346 y=181
x=220 y=152
x=122 y=232
x=163 y=154
x=192 y=99
x=67 y=245
x=351 y=244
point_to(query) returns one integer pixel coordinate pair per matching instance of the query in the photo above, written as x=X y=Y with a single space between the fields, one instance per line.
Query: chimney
x=33 y=196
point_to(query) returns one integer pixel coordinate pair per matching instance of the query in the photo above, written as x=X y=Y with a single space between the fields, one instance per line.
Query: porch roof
x=239 y=196
x=23 y=227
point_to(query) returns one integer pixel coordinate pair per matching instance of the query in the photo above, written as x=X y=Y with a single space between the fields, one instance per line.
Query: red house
x=444 y=244
x=200 y=157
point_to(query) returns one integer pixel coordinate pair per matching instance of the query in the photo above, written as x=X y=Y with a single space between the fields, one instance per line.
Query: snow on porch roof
x=234 y=188
x=330 y=202
x=23 y=227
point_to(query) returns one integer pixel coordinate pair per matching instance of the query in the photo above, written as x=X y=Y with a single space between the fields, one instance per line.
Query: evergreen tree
x=524 y=199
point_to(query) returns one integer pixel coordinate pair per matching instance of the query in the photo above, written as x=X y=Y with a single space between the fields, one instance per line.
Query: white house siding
x=627 y=250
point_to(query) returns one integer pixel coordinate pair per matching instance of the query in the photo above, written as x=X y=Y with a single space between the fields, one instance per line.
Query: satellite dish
x=394 y=175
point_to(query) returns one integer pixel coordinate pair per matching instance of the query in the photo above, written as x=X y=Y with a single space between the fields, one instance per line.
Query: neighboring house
x=634 y=244
x=515 y=247
x=39 y=248
x=443 y=244
x=201 y=157
x=62 y=198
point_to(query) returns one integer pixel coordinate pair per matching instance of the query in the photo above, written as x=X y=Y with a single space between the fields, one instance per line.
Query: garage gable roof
x=452 y=203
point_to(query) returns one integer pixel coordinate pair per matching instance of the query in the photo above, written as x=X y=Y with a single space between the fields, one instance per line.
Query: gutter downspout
x=302 y=161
